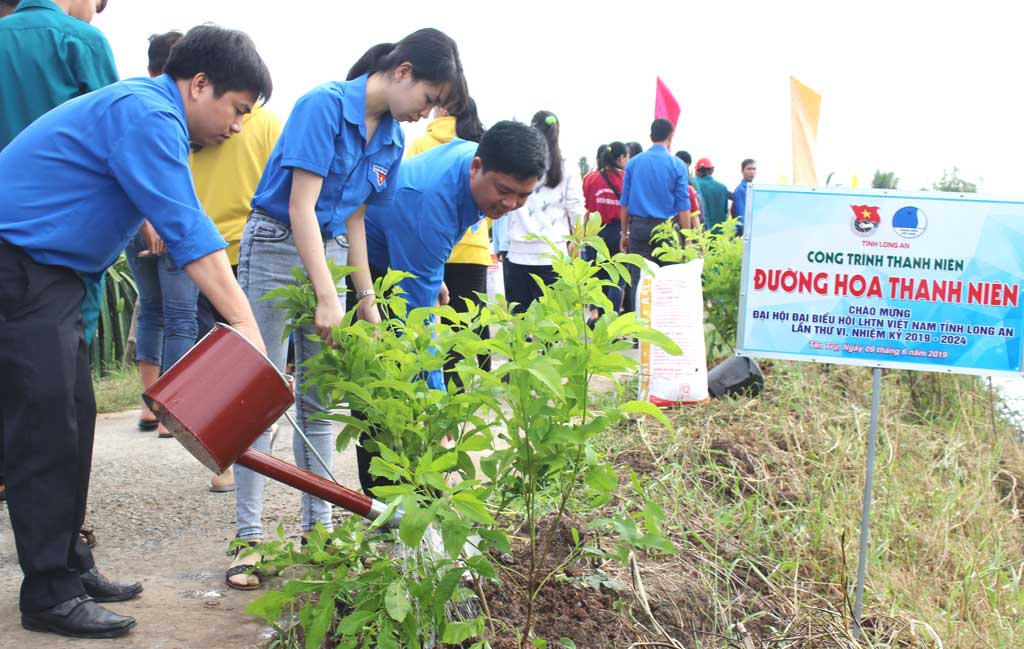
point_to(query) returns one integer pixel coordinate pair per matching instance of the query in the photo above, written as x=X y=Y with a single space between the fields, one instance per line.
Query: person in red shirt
x=601 y=191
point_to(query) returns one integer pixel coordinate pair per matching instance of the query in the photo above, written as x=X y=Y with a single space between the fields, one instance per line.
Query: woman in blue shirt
x=338 y=152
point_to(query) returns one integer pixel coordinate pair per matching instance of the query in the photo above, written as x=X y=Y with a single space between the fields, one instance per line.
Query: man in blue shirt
x=739 y=196
x=655 y=189
x=77 y=184
x=437 y=196
x=443 y=192
x=49 y=54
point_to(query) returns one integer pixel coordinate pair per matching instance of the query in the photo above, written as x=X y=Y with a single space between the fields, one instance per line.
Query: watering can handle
x=311 y=483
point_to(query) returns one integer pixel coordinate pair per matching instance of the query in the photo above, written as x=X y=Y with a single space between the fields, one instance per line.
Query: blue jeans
x=167 y=307
x=206 y=315
x=266 y=257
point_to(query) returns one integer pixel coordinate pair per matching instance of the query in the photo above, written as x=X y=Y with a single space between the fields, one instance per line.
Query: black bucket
x=737 y=375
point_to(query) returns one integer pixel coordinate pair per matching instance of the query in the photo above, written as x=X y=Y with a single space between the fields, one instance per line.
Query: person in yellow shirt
x=225 y=178
x=465 y=274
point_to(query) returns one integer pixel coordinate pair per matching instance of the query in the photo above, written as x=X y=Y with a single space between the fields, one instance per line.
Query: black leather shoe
x=102 y=589
x=80 y=617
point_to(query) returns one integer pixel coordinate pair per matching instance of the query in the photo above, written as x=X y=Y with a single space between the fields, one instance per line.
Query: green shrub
x=723 y=261
x=108 y=350
x=543 y=457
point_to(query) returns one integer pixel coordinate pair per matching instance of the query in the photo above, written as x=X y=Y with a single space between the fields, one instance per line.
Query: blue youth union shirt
x=739 y=201
x=429 y=210
x=655 y=185
x=79 y=181
x=326 y=135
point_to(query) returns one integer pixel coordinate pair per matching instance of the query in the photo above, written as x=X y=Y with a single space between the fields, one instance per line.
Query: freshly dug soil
x=566 y=607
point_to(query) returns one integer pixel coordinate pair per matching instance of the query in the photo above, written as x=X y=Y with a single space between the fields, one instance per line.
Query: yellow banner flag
x=806 y=105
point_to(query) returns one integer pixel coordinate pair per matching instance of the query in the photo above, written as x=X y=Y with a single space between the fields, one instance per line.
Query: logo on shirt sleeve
x=379 y=175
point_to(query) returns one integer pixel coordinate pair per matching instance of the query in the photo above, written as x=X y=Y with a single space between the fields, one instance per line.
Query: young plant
x=531 y=423
x=382 y=373
x=352 y=592
x=552 y=419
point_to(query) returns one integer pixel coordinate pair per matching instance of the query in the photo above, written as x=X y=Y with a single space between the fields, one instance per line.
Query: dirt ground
x=157 y=523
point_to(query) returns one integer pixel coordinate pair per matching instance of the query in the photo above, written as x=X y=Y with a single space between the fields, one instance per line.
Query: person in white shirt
x=550 y=213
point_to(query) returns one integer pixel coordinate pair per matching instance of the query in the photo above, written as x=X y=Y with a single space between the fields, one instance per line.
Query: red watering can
x=220 y=396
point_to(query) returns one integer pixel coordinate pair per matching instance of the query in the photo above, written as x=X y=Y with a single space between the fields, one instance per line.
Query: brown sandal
x=88 y=536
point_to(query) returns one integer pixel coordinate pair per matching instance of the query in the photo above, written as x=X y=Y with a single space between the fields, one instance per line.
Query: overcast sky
x=913 y=87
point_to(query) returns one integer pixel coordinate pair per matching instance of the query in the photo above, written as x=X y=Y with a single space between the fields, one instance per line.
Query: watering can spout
x=310 y=483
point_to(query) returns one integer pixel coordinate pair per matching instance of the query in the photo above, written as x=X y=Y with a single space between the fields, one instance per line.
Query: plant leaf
x=478 y=442
x=456 y=632
x=470 y=506
x=454 y=531
x=602 y=478
x=354 y=622
x=269 y=606
x=646 y=408
x=396 y=600
x=414 y=524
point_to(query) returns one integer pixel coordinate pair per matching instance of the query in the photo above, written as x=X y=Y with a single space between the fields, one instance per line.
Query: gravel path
x=157 y=523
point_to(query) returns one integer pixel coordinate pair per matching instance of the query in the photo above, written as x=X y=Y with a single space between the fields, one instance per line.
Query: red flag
x=665 y=105
x=867 y=213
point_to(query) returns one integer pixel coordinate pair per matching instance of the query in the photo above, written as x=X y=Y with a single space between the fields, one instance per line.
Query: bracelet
x=367 y=293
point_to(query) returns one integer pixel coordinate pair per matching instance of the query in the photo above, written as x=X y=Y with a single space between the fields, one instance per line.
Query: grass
x=763 y=499
x=120 y=389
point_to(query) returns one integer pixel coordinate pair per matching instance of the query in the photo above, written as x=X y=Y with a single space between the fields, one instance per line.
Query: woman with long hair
x=550 y=213
x=339 y=150
x=601 y=191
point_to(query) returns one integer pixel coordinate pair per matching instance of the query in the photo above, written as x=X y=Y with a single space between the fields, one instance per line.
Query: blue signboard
x=912 y=280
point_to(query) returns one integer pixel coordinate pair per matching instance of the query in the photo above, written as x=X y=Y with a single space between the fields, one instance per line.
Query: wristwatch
x=367 y=293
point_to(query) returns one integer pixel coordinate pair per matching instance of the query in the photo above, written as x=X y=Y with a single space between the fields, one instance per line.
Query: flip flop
x=221 y=483
x=244 y=569
x=147 y=425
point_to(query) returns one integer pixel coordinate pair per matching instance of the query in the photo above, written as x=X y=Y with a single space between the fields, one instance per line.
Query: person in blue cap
x=78 y=183
x=339 y=152
x=437 y=196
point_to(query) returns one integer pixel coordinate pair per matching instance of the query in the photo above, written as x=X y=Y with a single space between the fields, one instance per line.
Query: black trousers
x=521 y=288
x=465 y=281
x=640 y=229
x=363 y=455
x=611 y=234
x=48 y=416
